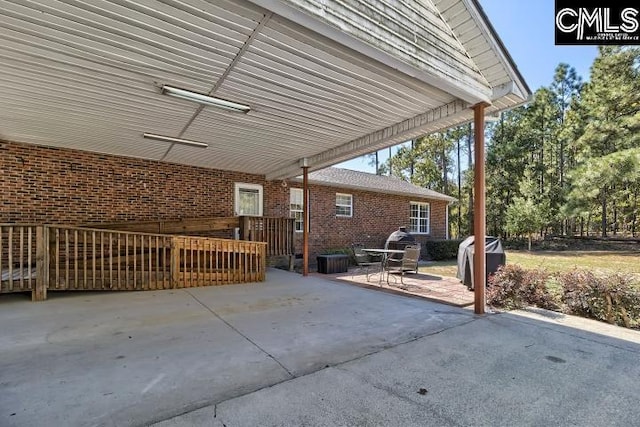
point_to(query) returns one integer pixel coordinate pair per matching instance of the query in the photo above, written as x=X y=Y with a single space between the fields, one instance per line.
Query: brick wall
x=375 y=216
x=51 y=185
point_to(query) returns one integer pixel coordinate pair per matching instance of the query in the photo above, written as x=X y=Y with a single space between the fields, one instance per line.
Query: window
x=295 y=207
x=344 y=204
x=419 y=218
x=248 y=199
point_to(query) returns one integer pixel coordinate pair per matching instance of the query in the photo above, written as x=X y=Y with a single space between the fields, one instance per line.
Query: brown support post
x=245 y=228
x=305 y=221
x=479 y=217
x=39 y=293
x=174 y=264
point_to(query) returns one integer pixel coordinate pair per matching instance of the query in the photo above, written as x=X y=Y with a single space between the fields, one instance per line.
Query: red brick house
x=348 y=206
x=63 y=186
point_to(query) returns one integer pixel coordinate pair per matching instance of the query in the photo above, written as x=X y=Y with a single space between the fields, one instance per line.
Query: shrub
x=609 y=297
x=613 y=298
x=438 y=250
x=514 y=287
x=515 y=244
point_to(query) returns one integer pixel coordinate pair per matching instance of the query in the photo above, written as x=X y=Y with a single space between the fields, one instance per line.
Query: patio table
x=385 y=256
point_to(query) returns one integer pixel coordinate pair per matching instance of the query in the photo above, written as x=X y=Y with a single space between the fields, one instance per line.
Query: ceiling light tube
x=204 y=99
x=175 y=140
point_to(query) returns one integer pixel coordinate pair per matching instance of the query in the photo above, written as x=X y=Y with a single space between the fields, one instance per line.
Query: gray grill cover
x=495 y=258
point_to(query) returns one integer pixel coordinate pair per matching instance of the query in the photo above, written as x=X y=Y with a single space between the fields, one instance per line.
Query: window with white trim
x=419 y=218
x=344 y=205
x=296 y=204
x=248 y=199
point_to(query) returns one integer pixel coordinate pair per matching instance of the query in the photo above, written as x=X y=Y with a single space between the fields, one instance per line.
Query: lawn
x=554 y=261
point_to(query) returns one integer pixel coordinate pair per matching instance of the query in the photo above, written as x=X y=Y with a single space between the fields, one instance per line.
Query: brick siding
x=53 y=185
x=375 y=216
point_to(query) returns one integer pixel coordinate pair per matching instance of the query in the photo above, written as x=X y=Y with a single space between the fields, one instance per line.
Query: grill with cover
x=494 y=253
x=399 y=239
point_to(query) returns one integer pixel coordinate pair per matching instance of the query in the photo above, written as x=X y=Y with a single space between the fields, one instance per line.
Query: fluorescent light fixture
x=175 y=140
x=204 y=99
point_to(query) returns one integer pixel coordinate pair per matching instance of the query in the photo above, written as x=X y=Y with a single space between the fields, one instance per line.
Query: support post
x=305 y=220
x=245 y=228
x=42 y=264
x=174 y=266
x=479 y=217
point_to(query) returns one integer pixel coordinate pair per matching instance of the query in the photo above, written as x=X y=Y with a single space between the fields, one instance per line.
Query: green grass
x=557 y=261
x=440 y=268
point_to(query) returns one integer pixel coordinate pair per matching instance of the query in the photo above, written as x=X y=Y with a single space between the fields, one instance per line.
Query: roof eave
x=521 y=87
x=442 y=197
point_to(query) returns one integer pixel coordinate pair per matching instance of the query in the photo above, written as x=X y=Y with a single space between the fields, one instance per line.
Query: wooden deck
x=277 y=232
x=42 y=258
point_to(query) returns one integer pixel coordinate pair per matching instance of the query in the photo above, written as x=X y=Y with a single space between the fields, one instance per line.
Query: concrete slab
x=294 y=351
x=136 y=358
x=314 y=322
x=121 y=359
x=502 y=370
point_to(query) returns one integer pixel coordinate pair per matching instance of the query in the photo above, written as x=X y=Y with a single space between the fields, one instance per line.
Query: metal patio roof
x=325 y=81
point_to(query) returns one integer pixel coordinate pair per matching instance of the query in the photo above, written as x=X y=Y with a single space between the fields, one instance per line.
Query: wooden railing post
x=291 y=244
x=245 y=227
x=263 y=262
x=42 y=264
x=174 y=266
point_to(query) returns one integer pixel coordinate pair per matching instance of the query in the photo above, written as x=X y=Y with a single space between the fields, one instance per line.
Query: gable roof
x=356 y=180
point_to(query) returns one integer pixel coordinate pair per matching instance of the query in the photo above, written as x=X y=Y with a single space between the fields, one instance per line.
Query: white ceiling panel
x=88 y=75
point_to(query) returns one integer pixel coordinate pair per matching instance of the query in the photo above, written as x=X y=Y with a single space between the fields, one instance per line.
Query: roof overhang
x=346 y=186
x=325 y=82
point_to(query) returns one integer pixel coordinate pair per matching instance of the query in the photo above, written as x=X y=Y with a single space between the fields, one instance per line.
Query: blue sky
x=526 y=28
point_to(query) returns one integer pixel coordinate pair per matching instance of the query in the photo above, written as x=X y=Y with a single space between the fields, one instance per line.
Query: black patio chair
x=366 y=263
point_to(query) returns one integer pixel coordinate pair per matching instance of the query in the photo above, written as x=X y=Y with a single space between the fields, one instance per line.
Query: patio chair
x=408 y=263
x=366 y=263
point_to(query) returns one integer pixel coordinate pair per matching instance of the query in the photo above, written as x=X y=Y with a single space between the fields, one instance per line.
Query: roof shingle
x=356 y=180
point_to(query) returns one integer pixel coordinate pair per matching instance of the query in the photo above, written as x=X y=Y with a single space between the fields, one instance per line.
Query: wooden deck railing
x=17 y=257
x=41 y=258
x=278 y=233
x=203 y=261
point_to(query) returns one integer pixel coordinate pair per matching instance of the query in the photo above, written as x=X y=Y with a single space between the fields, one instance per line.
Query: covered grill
x=398 y=240
x=494 y=253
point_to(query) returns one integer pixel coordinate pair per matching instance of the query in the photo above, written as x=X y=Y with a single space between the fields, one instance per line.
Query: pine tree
x=610 y=113
x=528 y=212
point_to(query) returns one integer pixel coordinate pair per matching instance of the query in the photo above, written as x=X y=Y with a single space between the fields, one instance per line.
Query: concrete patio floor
x=294 y=351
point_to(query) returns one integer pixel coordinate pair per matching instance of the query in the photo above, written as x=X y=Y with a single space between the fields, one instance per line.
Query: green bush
x=613 y=298
x=439 y=250
x=514 y=287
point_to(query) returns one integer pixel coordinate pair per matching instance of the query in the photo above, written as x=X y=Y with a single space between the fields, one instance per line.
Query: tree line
x=567 y=163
